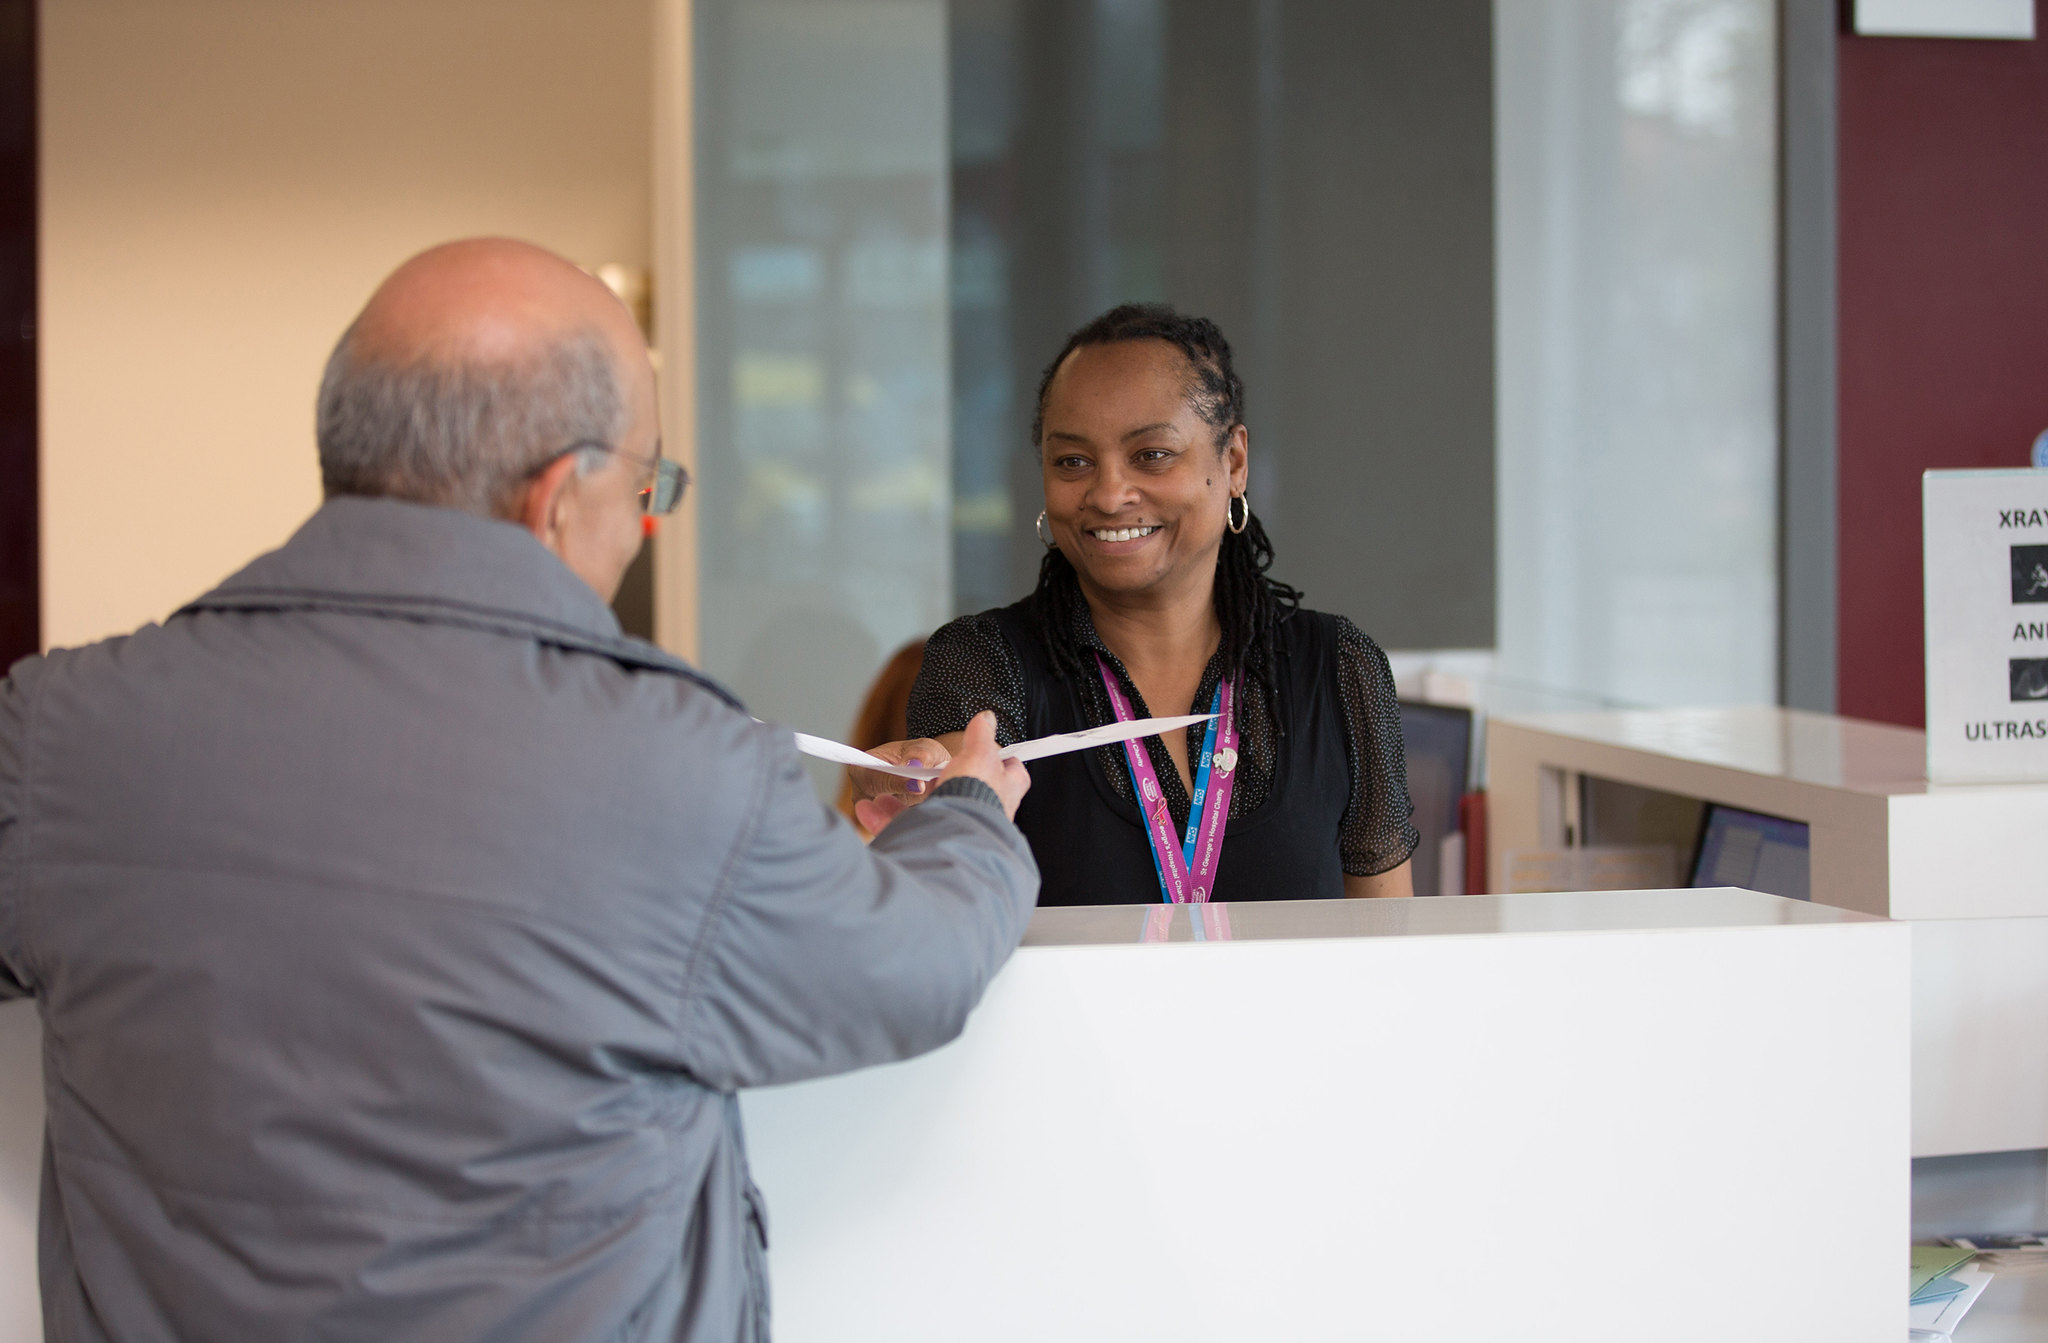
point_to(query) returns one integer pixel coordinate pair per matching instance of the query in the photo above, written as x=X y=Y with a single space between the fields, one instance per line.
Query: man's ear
x=542 y=502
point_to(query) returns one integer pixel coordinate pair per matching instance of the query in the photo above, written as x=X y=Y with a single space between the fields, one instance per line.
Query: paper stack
x=2015 y=1255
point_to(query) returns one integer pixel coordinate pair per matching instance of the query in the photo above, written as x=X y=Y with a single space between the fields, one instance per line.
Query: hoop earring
x=1230 y=512
x=1039 y=528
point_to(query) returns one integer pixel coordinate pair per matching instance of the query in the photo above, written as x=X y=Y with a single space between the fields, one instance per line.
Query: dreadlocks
x=1249 y=605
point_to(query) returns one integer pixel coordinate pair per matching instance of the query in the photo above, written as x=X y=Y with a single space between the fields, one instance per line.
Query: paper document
x=1929 y=1262
x=1933 y=1320
x=1036 y=749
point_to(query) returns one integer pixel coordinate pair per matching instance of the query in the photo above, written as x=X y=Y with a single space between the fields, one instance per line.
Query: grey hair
x=463 y=433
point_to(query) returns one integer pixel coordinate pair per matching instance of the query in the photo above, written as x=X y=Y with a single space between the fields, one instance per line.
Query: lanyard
x=1187 y=869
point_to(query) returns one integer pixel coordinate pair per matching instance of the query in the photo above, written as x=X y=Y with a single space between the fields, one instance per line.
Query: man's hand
x=980 y=758
x=881 y=798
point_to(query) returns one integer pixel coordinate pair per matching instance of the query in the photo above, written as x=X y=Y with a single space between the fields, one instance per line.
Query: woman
x=1153 y=600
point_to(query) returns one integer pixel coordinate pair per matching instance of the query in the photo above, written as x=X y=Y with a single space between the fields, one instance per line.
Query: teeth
x=1122 y=533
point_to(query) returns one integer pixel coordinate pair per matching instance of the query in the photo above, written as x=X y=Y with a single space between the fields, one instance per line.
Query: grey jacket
x=401 y=934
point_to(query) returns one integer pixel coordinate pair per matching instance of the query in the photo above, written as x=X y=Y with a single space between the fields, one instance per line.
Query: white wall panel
x=1945 y=18
x=1637 y=257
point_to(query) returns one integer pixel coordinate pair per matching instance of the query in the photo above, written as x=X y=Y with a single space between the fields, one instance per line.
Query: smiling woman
x=1154 y=598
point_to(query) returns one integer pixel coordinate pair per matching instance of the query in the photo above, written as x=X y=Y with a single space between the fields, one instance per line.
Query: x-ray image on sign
x=2029 y=574
x=1985 y=536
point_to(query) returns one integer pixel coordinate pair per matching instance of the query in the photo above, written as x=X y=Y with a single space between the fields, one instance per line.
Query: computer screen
x=1755 y=852
x=1438 y=739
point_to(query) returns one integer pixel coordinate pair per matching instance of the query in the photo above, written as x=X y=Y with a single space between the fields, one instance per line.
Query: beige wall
x=223 y=183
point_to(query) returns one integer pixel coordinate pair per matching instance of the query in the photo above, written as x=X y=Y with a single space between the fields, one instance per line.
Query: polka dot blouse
x=969 y=666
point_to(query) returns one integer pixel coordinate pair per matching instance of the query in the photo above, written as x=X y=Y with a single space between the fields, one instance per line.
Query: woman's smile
x=1121 y=540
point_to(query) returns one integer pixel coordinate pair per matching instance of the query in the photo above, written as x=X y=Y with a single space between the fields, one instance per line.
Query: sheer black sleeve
x=968 y=666
x=1378 y=832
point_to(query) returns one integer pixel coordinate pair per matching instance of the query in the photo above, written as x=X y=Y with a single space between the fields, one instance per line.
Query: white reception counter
x=1884 y=840
x=1960 y=863
x=1598 y=1118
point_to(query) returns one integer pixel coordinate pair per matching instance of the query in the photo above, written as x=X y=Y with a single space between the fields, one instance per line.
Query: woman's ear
x=1237 y=454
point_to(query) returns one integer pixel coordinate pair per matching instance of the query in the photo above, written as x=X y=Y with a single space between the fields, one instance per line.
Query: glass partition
x=1502 y=281
x=823 y=413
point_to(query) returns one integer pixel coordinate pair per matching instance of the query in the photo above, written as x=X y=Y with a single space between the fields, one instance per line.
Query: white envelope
x=1037 y=749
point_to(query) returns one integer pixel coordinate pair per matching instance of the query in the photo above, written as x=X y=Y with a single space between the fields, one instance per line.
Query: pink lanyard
x=1186 y=867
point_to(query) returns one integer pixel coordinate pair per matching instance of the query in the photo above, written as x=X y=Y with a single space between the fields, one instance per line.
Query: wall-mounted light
x=635 y=288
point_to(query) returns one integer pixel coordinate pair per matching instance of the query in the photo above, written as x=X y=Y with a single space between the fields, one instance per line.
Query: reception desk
x=1883 y=839
x=1961 y=863
x=1598 y=1118
x=21 y=1153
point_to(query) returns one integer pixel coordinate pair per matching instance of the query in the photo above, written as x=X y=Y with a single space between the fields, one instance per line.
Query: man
x=402 y=932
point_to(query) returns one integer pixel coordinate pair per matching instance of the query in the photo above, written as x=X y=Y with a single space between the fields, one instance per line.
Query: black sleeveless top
x=1090 y=843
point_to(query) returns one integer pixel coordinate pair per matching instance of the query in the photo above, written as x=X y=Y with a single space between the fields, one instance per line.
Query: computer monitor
x=1753 y=851
x=1438 y=738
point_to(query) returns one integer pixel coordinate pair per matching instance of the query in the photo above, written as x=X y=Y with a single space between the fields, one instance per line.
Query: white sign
x=1945 y=18
x=1985 y=535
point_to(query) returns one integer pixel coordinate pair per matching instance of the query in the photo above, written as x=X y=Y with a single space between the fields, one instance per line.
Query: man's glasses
x=659 y=496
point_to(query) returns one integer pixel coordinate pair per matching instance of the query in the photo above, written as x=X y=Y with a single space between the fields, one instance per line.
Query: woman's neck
x=1158 y=631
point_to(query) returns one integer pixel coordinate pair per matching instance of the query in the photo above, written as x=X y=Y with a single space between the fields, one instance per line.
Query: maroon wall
x=1943 y=311
x=19 y=601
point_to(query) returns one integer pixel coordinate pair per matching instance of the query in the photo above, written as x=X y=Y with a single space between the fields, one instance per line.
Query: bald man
x=402 y=932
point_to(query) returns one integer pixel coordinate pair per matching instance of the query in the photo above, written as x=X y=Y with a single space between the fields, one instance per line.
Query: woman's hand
x=972 y=754
x=879 y=798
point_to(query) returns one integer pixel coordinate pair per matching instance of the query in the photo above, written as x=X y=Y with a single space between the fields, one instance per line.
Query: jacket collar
x=389 y=552
x=396 y=560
